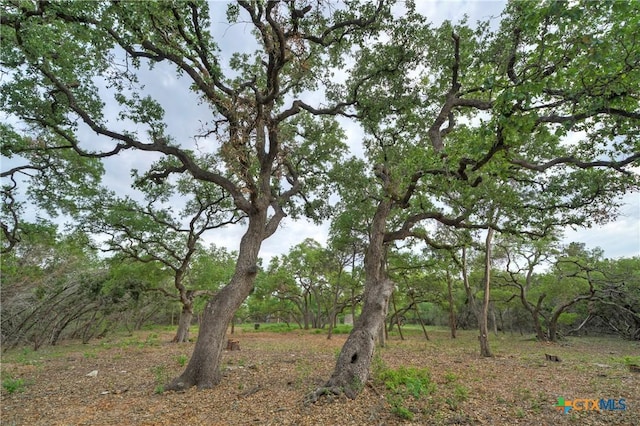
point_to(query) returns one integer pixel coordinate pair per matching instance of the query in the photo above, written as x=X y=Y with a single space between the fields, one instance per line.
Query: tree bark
x=186 y=315
x=352 y=368
x=203 y=369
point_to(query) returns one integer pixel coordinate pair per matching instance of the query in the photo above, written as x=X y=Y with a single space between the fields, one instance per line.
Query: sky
x=618 y=238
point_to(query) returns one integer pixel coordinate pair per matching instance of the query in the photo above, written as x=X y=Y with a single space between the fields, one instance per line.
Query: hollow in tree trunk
x=352 y=368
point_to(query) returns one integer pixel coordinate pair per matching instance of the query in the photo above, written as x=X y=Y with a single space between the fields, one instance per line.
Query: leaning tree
x=261 y=127
x=537 y=120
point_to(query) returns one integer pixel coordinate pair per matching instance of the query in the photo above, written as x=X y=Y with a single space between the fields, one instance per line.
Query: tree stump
x=553 y=358
x=233 y=345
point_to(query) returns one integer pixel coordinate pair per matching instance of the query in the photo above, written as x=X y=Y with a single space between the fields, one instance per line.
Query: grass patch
x=276 y=327
x=342 y=329
x=404 y=385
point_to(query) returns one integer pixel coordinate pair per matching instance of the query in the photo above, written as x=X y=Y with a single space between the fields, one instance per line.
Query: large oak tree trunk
x=203 y=369
x=352 y=368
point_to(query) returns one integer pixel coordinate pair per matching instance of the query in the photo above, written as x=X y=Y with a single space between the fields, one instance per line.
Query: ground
x=118 y=381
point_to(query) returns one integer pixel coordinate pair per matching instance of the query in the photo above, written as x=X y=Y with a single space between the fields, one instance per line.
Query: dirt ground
x=267 y=379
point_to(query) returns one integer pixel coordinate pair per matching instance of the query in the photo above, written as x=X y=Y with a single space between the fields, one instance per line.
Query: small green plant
x=26 y=357
x=12 y=385
x=152 y=339
x=461 y=393
x=161 y=377
x=182 y=360
x=398 y=408
x=450 y=377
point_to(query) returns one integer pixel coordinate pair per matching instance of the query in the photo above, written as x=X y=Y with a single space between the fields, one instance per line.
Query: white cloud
x=620 y=238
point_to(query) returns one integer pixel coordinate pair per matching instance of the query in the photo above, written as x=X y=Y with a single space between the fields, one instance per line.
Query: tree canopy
x=514 y=128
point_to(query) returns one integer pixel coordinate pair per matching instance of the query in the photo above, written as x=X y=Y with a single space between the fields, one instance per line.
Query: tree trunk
x=417 y=309
x=332 y=322
x=395 y=310
x=537 y=325
x=306 y=314
x=553 y=330
x=483 y=319
x=494 y=321
x=452 y=310
x=186 y=315
x=203 y=369
x=352 y=368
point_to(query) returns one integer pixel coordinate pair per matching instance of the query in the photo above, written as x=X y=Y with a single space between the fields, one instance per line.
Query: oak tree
x=266 y=137
x=537 y=120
